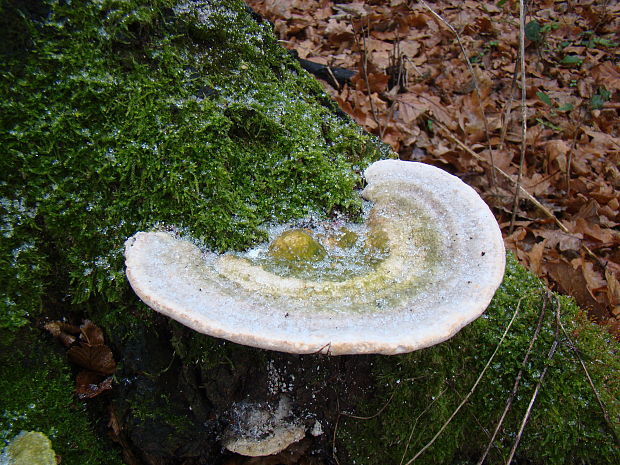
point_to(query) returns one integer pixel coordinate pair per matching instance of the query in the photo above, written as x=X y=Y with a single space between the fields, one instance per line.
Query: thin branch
x=476 y=86
x=379 y=412
x=515 y=203
x=471 y=391
x=522 y=190
x=508 y=108
x=612 y=430
x=550 y=355
x=573 y=146
x=364 y=63
x=516 y=384
x=335 y=431
x=415 y=422
x=330 y=73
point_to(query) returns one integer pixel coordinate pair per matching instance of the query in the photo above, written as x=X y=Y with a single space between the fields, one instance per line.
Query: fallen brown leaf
x=572 y=282
x=96 y=358
x=91 y=334
x=89 y=384
x=55 y=329
x=607 y=74
x=535 y=256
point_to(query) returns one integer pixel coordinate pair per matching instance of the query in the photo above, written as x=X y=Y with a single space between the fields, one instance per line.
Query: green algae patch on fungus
x=38 y=395
x=296 y=245
x=422 y=389
x=186 y=114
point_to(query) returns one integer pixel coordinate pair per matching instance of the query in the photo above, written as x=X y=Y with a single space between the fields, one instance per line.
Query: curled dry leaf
x=55 y=328
x=535 y=257
x=607 y=74
x=96 y=358
x=89 y=384
x=613 y=292
x=91 y=334
x=90 y=353
x=572 y=281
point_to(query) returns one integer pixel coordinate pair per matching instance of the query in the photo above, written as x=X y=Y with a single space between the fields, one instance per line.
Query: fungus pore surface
x=433 y=257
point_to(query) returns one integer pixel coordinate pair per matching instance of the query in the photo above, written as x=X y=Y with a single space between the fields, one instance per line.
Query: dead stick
x=415 y=422
x=612 y=430
x=476 y=87
x=364 y=53
x=508 y=109
x=515 y=388
x=515 y=203
x=335 y=431
x=379 y=412
x=550 y=355
x=471 y=391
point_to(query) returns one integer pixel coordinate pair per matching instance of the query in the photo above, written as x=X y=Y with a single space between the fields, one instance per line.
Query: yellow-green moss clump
x=346 y=238
x=29 y=448
x=295 y=245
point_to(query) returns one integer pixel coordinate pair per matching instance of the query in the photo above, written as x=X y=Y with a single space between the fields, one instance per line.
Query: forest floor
x=440 y=82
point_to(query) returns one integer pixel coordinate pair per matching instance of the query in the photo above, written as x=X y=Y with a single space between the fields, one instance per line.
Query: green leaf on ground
x=532 y=31
x=544 y=98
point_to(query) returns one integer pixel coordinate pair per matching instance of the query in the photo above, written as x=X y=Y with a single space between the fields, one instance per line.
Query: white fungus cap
x=446 y=259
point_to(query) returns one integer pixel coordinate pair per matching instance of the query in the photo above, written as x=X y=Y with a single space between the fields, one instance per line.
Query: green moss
x=197 y=120
x=206 y=352
x=566 y=425
x=37 y=395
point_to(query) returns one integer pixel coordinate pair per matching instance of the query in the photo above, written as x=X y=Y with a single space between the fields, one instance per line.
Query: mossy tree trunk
x=126 y=116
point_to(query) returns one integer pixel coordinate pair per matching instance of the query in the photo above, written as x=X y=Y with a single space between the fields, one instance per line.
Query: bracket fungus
x=259 y=430
x=431 y=253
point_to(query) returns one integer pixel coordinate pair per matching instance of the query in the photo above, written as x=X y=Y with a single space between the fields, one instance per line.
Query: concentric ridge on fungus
x=445 y=259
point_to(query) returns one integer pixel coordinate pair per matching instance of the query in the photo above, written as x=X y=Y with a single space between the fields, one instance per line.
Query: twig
x=379 y=412
x=569 y=163
x=415 y=422
x=476 y=87
x=516 y=384
x=538 y=385
x=478 y=422
x=515 y=203
x=612 y=430
x=508 y=108
x=335 y=431
x=364 y=53
x=522 y=190
x=571 y=150
x=471 y=391
x=333 y=78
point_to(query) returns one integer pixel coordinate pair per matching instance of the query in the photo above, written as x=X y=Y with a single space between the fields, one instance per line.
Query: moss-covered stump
x=120 y=116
